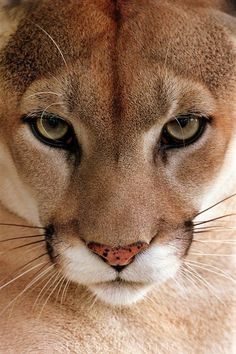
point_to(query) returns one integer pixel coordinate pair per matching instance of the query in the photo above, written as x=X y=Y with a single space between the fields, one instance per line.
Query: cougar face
x=116 y=122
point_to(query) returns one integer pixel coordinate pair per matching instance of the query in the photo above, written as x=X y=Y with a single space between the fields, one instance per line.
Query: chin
x=118 y=293
x=155 y=266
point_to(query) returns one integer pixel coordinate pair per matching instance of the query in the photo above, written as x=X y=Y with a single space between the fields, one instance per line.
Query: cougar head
x=117 y=119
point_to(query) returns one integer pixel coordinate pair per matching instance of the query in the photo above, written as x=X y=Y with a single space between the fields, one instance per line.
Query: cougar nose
x=117 y=257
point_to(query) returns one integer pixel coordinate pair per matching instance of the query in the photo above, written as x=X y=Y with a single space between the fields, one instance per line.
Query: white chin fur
x=154 y=266
x=119 y=294
x=83 y=267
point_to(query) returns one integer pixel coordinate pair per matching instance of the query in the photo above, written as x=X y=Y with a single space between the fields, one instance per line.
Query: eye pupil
x=53 y=122
x=183 y=122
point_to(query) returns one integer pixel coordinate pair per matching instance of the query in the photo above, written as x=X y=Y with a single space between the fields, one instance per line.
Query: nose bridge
x=116 y=207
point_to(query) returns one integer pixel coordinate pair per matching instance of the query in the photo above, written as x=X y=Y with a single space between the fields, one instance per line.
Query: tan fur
x=118 y=71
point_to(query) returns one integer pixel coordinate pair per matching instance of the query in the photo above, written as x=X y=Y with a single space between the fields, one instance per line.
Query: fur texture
x=118 y=71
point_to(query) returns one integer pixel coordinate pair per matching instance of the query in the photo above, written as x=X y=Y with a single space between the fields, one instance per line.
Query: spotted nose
x=118 y=256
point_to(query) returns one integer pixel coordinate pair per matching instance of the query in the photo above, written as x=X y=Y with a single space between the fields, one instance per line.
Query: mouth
x=118 y=276
x=119 y=292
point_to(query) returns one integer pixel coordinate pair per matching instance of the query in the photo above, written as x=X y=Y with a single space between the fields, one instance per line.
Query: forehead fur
x=116 y=34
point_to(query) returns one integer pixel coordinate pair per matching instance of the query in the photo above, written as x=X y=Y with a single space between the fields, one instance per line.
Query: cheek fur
x=157 y=264
x=83 y=267
x=45 y=170
x=14 y=193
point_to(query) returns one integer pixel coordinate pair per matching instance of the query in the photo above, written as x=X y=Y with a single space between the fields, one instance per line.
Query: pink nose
x=118 y=256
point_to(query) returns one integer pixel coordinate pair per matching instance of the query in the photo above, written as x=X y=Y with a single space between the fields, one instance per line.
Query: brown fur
x=118 y=67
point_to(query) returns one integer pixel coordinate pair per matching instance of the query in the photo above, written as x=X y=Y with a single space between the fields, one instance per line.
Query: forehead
x=116 y=50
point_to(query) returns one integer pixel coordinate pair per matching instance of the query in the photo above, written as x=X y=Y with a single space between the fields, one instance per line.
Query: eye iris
x=52 y=128
x=184 y=128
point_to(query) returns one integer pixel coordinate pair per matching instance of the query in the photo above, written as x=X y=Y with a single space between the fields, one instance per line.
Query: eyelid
x=29 y=117
x=193 y=114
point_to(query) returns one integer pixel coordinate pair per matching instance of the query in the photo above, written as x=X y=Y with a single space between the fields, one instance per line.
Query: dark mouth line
x=121 y=281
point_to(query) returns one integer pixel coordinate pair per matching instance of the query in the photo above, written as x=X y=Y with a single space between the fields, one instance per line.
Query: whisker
x=218 y=218
x=211 y=271
x=21 y=246
x=189 y=278
x=180 y=281
x=33 y=248
x=43 y=280
x=56 y=79
x=221 y=201
x=64 y=291
x=32 y=282
x=21 y=238
x=203 y=281
x=93 y=298
x=53 y=41
x=44 y=93
x=20 y=276
x=215 y=227
x=193 y=280
x=67 y=289
x=213 y=254
x=216 y=241
x=58 y=280
x=41 y=293
x=59 y=254
x=24 y=226
x=206 y=267
x=47 y=270
x=24 y=266
x=202 y=232
x=211 y=231
x=59 y=290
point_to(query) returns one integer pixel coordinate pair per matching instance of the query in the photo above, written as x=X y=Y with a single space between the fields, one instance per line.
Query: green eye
x=52 y=130
x=183 y=131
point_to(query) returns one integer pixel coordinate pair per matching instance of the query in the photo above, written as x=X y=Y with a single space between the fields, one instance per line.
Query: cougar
x=117 y=176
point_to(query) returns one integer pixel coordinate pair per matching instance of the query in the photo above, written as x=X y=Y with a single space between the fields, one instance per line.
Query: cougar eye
x=182 y=131
x=52 y=130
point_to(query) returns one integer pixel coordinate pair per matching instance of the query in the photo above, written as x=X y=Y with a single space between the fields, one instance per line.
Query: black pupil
x=53 y=122
x=183 y=122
